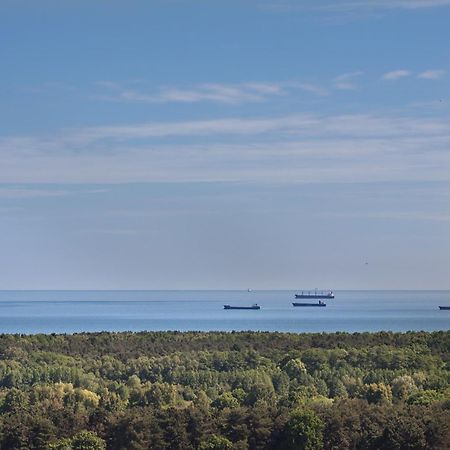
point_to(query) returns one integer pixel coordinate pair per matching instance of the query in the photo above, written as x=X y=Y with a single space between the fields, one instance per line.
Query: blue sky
x=223 y=144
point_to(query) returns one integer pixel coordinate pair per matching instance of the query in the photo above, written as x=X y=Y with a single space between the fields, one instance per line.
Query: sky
x=212 y=144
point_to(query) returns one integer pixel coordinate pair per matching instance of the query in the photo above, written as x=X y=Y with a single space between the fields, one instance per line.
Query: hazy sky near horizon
x=186 y=144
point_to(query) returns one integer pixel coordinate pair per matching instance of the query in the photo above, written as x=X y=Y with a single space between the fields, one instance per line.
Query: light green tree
x=303 y=431
x=217 y=443
x=403 y=387
x=87 y=440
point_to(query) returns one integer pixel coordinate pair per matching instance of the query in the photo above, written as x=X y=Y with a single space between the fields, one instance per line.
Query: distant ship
x=444 y=307
x=315 y=294
x=310 y=304
x=254 y=306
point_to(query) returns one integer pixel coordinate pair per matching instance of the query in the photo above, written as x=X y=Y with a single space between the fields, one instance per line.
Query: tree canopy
x=240 y=390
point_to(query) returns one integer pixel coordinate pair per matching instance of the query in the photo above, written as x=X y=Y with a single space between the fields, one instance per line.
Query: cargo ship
x=254 y=306
x=444 y=307
x=315 y=294
x=310 y=304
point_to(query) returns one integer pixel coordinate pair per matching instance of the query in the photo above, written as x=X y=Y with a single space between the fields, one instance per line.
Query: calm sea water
x=76 y=311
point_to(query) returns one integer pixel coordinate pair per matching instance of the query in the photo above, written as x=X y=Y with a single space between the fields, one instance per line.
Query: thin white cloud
x=287 y=149
x=313 y=88
x=352 y=6
x=393 y=215
x=23 y=192
x=300 y=124
x=19 y=192
x=208 y=92
x=385 y=4
x=232 y=94
x=231 y=126
x=264 y=88
x=346 y=80
x=396 y=75
x=431 y=74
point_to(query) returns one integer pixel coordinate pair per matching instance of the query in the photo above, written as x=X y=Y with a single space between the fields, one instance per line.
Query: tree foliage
x=256 y=391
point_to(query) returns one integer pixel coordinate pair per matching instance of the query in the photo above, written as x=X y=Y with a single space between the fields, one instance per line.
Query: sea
x=31 y=312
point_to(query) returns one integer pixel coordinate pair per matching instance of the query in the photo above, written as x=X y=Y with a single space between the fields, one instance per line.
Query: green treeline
x=246 y=390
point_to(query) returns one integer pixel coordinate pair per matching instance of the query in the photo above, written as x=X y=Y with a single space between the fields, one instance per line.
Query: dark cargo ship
x=310 y=304
x=255 y=306
x=315 y=294
x=444 y=307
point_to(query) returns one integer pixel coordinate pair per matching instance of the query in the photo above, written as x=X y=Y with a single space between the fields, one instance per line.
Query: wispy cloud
x=297 y=124
x=23 y=192
x=231 y=94
x=396 y=75
x=207 y=92
x=353 y=6
x=385 y=4
x=346 y=80
x=313 y=88
x=230 y=126
x=393 y=215
x=286 y=149
x=431 y=74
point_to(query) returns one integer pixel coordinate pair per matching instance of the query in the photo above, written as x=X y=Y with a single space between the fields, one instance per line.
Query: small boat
x=254 y=306
x=315 y=294
x=444 y=307
x=310 y=304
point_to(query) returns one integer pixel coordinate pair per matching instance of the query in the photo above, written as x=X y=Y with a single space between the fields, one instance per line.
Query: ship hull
x=310 y=304
x=444 y=307
x=240 y=307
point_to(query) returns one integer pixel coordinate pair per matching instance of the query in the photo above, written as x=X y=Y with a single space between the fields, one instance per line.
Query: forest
x=237 y=390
